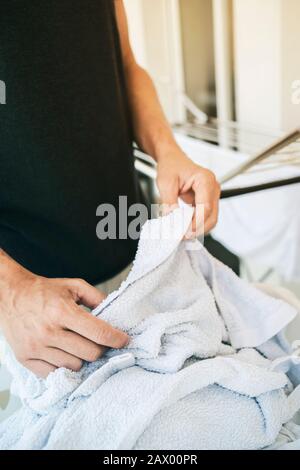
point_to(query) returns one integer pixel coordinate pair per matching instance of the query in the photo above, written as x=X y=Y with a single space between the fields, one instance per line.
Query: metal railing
x=284 y=151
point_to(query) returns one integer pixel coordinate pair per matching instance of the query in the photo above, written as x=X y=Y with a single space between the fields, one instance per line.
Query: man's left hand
x=178 y=176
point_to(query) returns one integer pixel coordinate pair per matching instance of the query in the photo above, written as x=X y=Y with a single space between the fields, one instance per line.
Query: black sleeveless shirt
x=65 y=136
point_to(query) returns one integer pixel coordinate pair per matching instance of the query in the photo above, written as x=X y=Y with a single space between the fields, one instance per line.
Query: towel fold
x=197 y=373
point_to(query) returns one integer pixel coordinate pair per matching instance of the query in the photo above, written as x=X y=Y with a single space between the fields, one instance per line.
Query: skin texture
x=42 y=319
x=44 y=323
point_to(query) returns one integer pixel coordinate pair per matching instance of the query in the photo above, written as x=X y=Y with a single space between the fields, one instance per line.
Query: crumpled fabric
x=197 y=374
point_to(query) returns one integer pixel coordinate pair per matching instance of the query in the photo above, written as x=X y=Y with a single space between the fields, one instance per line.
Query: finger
x=211 y=222
x=60 y=358
x=189 y=184
x=196 y=228
x=84 y=293
x=203 y=213
x=169 y=190
x=95 y=329
x=206 y=191
x=204 y=219
x=40 y=368
x=206 y=200
x=78 y=346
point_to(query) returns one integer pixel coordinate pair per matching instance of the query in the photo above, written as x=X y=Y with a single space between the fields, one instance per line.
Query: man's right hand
x=44 y=324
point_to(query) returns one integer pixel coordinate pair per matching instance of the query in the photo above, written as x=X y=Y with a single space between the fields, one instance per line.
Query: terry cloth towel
x=192 y=377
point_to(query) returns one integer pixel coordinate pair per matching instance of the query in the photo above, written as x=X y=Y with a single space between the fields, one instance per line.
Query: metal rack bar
x=146 y=165
x=227 y=193
x=261 y=156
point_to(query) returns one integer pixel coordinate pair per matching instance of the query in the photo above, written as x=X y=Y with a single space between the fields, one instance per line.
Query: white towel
x=189 y=379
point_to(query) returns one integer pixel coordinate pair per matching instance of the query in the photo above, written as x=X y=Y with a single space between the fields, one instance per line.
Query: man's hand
x=177 y=177
x=45 y=326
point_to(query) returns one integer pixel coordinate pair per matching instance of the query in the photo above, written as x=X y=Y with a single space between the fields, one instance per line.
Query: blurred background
x=228 y=76
x=235 y=59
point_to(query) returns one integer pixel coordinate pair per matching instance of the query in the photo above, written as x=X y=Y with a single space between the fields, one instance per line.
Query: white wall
x=266 y=55
x=290 y=12
x=223 y=47
x=267 y=61
x=258 y=62
x=156 y=40
x=198 y=49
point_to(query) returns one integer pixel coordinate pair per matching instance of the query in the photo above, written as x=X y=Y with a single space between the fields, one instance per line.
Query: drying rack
x=283 y=151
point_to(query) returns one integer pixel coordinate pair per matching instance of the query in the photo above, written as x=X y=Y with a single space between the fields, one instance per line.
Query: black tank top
x=65 y=136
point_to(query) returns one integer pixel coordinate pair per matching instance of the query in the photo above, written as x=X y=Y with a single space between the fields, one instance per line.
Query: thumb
x=169 y=195
x=85 y=294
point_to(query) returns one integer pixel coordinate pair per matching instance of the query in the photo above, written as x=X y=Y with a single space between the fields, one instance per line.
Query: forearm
x=10 y=270
x=151 y=129
x=177 y=175
x=11 y=275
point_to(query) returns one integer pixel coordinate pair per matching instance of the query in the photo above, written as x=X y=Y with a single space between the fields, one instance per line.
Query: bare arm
x=152 y=131
x=177 y=174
